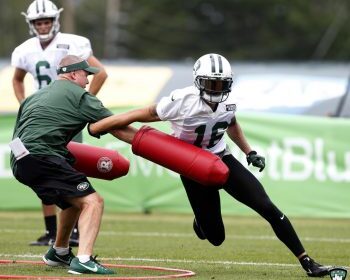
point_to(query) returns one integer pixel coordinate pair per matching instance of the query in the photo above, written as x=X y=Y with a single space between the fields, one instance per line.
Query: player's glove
x=256 y=160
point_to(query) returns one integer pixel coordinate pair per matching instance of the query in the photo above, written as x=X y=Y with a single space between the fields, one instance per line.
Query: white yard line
x=30 y=256
x=192 y=235
x=182 y=261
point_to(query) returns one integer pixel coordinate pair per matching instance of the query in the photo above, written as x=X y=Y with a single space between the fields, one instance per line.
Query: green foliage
x=168 y=29
x=93 y=25
x=253 y=30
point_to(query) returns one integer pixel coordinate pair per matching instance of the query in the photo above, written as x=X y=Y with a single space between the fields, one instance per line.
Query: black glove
x=256 y=160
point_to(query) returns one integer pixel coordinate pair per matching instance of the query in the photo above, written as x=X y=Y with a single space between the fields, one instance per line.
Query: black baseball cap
x=82 y=65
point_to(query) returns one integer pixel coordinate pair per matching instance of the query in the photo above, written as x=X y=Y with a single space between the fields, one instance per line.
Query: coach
x=45 y=124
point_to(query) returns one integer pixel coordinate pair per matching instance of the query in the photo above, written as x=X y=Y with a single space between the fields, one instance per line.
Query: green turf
x=249 y=252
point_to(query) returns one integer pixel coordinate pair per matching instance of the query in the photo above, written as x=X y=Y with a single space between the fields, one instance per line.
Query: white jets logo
x=104 y=164
x=83 y=186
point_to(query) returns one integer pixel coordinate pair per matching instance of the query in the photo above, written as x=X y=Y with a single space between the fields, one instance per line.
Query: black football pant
x=244 y=187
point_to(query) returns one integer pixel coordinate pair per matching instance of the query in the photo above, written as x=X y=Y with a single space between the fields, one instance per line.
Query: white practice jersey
x=193 y=121
x=42 y=64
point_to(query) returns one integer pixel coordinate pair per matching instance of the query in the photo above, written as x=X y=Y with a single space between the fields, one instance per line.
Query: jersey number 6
x=42 y=78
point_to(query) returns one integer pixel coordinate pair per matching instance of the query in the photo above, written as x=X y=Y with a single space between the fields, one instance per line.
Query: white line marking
x=203 y=262
x=192 y=235
x=30 y=256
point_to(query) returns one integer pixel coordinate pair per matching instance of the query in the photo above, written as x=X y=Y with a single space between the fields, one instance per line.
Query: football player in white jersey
x=200 y=115
x=40 y=56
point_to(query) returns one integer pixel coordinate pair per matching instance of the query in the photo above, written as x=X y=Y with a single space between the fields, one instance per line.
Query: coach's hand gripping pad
x=179 y=156
x=98 y=162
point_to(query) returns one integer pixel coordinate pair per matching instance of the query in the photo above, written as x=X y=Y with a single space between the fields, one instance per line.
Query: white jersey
x=42 y=64
x=193 y=121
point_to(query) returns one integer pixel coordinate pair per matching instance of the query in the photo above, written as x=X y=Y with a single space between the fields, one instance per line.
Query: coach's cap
x=82 y=65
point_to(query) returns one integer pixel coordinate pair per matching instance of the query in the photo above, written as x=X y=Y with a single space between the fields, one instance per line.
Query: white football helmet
x=212 y=75
x=40 y=9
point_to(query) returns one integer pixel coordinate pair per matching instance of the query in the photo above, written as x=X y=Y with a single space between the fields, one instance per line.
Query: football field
x=250 y=250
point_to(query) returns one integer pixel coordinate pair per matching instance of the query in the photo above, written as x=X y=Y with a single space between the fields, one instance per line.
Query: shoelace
x=94 y=259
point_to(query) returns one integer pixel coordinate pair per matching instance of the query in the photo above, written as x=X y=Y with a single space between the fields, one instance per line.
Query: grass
x=250 y=251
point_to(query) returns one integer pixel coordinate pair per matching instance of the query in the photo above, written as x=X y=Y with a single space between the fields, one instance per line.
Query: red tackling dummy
x=98 y=162
x=179 y=156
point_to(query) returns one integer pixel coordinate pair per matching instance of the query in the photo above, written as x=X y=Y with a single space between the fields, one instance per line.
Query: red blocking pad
x=183 y=158
x=98 y=162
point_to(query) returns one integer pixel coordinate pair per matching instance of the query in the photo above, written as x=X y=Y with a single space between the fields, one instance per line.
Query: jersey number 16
x=217 y=132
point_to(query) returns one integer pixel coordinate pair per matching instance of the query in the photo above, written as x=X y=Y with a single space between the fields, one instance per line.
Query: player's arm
x=125 y=134
x=235 y=132
x=99 y=78
x=18 y=84
x=148 y=114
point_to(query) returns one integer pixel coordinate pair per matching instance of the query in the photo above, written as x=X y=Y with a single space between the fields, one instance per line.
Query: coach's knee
x=99 y=201
x=94 y=200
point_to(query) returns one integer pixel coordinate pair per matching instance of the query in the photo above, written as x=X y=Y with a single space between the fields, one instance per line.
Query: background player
x=200 y=115
x=40 y=56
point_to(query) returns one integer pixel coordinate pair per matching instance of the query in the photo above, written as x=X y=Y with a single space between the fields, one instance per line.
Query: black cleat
x=312 y=268
x=74 y=238
x=198 y=230
x=46 y=239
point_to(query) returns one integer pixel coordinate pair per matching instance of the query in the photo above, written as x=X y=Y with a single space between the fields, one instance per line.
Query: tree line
x=253 y=30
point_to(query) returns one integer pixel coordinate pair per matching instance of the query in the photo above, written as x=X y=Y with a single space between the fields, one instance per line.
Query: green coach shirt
x=48 y=120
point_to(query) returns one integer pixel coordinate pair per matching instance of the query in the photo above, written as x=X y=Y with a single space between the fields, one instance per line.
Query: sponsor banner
x=307 y=170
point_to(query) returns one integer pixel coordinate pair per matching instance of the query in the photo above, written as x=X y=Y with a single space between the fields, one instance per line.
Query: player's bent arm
x=18 y=84
x=148 y=114
x=235 y=132
x=125 y=134
x=99 y=78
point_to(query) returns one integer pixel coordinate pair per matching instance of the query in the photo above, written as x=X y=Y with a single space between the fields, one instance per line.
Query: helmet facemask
x=213 y=77
x=214 y=90
x=48 y=36
x=43 y=9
